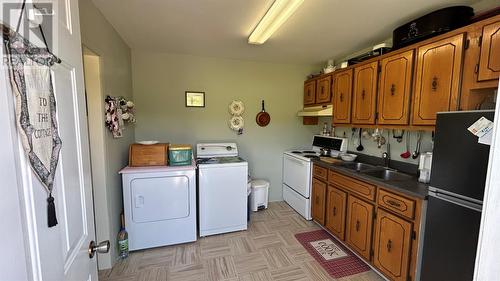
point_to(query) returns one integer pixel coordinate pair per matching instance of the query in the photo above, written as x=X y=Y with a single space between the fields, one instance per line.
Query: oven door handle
x=297 y=161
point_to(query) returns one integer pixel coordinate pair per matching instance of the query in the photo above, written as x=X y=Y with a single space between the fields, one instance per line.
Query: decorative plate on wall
x=236 y=123
x=236 y=107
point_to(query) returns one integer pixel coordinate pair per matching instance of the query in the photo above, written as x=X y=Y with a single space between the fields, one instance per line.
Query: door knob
x=102 y=248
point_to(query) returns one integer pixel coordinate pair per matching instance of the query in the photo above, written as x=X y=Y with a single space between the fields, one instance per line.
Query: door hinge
x=466 y=45
x=376 y=115
x=371 y=253
x=480 y=40
x=413 y=235
x=476 y=69
x=374 y=215
x=379 y=68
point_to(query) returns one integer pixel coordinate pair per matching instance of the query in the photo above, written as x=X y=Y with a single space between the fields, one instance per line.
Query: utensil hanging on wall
x=416 y=153
x=263 y=118
x=360 y=146
x=407 y=153
x=399 y=136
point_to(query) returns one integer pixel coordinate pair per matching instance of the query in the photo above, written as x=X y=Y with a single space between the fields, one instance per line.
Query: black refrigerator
x=458 y=176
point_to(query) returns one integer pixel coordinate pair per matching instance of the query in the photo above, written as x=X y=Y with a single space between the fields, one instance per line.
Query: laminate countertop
x=411 y=187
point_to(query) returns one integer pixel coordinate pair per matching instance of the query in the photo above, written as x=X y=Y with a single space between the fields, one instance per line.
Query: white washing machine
x=222 y=188
x=159 y=205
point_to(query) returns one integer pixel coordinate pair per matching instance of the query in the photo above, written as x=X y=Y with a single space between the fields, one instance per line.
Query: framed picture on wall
x=195 y=99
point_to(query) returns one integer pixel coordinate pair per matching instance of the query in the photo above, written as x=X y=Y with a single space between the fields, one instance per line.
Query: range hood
x=325 y=110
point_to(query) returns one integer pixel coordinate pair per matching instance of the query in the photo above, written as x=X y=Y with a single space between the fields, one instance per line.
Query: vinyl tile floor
x=268 y=250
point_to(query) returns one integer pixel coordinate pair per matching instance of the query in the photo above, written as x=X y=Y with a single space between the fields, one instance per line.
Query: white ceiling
x=319 y=30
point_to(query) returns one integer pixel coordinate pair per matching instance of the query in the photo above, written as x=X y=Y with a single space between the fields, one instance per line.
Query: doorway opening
x=97 y=134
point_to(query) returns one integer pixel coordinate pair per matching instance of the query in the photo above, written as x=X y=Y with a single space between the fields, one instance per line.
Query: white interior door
x=60 y=252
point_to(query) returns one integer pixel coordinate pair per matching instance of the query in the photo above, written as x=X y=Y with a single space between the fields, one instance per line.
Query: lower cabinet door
x=336 y=200
x=392 y=245
x=318 y=201
x=359 y=225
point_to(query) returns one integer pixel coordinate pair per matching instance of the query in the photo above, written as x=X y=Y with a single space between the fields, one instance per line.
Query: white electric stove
x=297 y=171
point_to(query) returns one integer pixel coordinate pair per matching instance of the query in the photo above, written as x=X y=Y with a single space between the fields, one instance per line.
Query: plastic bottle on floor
x=123 y=240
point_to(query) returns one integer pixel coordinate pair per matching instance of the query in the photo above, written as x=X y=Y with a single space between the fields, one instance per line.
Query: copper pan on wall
x=263 y=118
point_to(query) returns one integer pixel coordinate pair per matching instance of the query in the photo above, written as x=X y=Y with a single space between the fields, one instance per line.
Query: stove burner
x=312 y=156
x=308 y=151
x=296 y=152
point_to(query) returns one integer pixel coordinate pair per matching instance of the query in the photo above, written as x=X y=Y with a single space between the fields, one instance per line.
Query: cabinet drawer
x=396 y=203
x=320 y=172
x=358 y=187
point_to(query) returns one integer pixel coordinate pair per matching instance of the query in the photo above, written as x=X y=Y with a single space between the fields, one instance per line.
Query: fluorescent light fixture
x=279 y=12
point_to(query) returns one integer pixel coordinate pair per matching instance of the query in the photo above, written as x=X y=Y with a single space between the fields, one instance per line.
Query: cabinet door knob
x=393 y=89
x=434 y=83
x=389 y=245
x=363 y=94
x=357 y=225
x=334 y=211
x=341 y=97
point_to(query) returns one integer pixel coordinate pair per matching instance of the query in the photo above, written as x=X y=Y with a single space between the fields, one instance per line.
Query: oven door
x=297 y=175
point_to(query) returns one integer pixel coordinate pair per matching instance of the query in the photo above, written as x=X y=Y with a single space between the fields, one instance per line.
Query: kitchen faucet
x=387 y=156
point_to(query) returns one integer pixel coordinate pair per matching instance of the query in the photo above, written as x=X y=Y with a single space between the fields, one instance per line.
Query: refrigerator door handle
x=457 y=201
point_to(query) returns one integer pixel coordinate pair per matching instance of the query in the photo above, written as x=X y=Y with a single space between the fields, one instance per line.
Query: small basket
x=180 y=155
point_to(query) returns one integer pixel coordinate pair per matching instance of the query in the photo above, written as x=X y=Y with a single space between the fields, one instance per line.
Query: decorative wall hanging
x=30 y=79
x=118 y=111
x=236 y=122
x=195 y=99
x=236 y=107
x=263 y=118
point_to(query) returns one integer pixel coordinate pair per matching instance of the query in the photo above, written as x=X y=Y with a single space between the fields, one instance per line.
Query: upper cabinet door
x=309 y=92
x=437 y=79
x=323 y=92
x=489 y=63
x=395 y=88
x=342 y=91
x=365 y=93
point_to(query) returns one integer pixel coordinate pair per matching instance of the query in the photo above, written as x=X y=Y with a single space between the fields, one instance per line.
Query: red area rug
x=336 y=259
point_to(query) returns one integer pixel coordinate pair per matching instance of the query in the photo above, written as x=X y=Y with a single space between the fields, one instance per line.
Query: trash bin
x=259 y=195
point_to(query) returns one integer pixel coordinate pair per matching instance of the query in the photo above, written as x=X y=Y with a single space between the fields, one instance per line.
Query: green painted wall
x=116 y=75
x=159 y=83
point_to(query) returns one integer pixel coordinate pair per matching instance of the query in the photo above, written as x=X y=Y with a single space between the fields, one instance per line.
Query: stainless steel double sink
x=382 y=173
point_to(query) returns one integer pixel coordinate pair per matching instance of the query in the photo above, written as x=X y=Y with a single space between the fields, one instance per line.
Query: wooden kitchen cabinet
x=342 y=92
x=318 y=197
x=437 y=79
x=489 y=62
x=323 y=90
x=336 y=201
x=395 y=89
x=359 y=225
x=364 y=98
x=392 y=245
x=309 y=92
